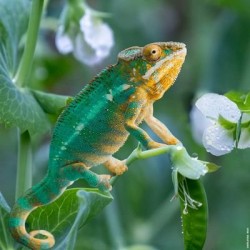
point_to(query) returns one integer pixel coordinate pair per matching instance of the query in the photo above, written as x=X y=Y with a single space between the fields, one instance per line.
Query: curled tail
x=41 y=194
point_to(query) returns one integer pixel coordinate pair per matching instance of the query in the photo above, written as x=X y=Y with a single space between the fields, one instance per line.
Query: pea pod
x=194 y=213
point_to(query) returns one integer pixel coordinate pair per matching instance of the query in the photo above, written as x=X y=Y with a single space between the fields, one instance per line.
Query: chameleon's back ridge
x=96 y=124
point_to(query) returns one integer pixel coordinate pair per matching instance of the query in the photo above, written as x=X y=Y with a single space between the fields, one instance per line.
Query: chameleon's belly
x=102 y=139
x=91 y=141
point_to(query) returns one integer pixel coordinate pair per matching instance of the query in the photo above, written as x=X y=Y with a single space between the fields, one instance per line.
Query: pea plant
x=83 y=32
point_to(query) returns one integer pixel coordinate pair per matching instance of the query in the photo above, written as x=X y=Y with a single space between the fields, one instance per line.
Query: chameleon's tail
x=41 y=194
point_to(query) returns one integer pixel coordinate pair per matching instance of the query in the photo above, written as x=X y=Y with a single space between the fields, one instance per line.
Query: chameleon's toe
x=121 y=168
x=172 y=141
x=153 y=144
x=104 y=184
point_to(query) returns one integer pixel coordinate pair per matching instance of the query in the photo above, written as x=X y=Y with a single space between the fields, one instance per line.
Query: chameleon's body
x=97 y=123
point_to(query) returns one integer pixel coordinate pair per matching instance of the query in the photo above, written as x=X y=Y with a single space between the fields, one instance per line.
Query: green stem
x=114 y=227
x=161 y=218
x=138 y=154
x=24 y=166
x=29 y=50
x=150 y=229
x=3 y=226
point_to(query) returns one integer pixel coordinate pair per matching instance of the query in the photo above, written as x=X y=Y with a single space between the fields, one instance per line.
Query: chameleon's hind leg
x=159 y=128
x=78 y=170
x=115 y=166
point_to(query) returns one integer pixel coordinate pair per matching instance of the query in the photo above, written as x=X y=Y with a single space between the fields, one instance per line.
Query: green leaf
x=226 y=124
x=211 y=167
x=242 y=100
x=6 y=241
x=51 y=103
x=194 y=218
x=17 y=106
x=75 y=207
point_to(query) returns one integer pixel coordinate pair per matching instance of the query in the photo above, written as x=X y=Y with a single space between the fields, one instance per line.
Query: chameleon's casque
x=97 y=123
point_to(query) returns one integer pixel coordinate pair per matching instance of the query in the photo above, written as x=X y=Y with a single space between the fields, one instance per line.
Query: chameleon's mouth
x=171 y=64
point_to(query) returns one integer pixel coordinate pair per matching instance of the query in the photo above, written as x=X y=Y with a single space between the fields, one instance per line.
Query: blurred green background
x=217 y=35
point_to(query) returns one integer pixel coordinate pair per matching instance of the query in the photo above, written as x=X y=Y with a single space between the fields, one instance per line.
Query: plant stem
x=160 y=218
x=29 y=50
x=114 y=227
x=24 y=166
x=139 y=154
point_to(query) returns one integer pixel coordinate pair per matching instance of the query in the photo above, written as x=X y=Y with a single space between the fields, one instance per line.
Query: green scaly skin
x=97 y=123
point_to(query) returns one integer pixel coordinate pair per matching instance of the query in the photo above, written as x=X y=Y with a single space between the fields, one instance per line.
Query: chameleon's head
x=154 y=66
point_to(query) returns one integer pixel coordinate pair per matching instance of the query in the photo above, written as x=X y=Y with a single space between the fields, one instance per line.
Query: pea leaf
x=242 y=100
x=6 y=241
x=226 y=124
x=75 y=207
x=194 y=219
x=51 y=103
x=18 y=107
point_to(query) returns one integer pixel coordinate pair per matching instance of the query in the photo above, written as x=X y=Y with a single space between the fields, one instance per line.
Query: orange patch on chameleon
x=108 y=148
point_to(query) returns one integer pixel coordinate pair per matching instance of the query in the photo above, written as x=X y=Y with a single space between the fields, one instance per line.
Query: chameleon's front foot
x=121 y=168
x=104 y=183
x=116 y=166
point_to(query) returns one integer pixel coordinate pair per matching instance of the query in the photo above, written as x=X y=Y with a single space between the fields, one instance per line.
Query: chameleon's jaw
x=164 y=72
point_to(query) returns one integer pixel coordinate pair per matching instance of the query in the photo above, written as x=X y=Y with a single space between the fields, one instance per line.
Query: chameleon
x=97 y=123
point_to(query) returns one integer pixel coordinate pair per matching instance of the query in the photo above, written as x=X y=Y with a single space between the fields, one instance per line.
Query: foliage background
x=218 y=40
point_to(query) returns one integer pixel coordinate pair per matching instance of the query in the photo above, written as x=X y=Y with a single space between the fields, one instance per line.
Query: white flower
x=206 y=118
x=186 y=165
x=90 y=42
x=63 y=41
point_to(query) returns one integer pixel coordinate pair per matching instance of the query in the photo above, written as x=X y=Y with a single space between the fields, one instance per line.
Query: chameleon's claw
x=104 y=184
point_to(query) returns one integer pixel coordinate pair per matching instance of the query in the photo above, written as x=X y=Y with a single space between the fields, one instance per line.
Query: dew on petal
x=217 y=140
x=213 y=105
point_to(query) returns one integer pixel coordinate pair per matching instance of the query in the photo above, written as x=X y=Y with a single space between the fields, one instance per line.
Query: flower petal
x=97 y=34
x=217 y=140
x=244 y=141
x=63 y=42
x=186 y=165
x=84 y=53
x=198 y=124
x=245 y=118
x=212 y=105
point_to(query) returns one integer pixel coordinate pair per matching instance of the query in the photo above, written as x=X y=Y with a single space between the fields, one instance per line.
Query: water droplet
x=185 y=211
x=199 y=204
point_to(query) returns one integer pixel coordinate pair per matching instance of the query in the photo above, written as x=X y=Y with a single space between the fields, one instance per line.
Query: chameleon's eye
x=152 y=52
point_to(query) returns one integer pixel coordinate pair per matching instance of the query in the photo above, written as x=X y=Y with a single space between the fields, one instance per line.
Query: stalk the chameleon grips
x=97 y=123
